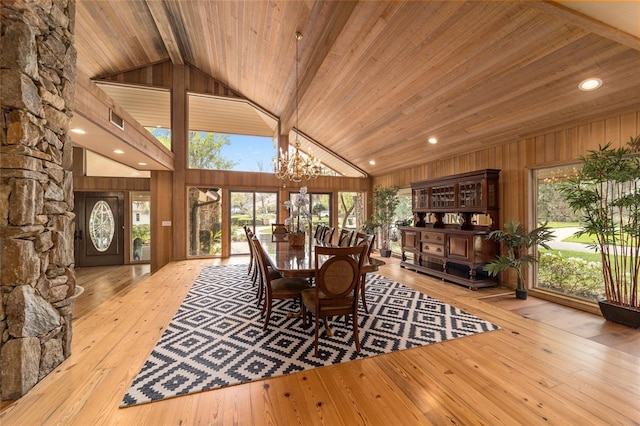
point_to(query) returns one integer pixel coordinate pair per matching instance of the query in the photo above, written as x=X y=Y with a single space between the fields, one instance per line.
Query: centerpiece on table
x=298 y=219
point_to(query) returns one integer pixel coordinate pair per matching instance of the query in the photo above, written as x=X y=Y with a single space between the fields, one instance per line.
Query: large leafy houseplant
x=518 y=243
x=385 y=201
x=606 y=192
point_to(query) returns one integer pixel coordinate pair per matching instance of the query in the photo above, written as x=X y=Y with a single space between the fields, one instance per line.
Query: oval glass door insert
x=101 y=226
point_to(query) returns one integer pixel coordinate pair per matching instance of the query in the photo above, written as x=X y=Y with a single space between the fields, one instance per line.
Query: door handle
x=77 y=235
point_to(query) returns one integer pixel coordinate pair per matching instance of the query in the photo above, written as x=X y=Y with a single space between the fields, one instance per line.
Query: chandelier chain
x=294 y=165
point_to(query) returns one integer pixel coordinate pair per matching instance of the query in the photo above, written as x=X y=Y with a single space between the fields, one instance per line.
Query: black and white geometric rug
x=216 y=339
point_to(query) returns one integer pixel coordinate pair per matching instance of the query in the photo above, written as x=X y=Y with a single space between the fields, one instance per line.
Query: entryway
x=99 y=233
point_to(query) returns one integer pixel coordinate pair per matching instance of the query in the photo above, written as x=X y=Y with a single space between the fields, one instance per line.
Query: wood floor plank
x=537 y=369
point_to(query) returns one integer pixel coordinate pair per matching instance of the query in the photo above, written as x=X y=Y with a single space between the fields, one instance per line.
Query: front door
x=99 y=236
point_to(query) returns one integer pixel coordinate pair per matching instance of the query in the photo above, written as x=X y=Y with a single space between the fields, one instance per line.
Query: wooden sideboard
x=452 y=217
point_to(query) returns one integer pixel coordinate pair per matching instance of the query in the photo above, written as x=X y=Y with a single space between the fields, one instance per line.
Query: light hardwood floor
x=546 y=365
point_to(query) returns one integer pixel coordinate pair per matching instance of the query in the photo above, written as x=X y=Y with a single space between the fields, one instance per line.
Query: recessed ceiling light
x=432 y=140
x=373 y=163
x=118 y=151
x=142 y=164
x=590 y=84
x=79 y=131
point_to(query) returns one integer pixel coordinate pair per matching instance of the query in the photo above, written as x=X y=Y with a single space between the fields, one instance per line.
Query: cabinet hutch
x=452 y=217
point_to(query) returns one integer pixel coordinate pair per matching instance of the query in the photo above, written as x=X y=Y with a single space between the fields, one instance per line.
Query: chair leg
x=356 y=337
x=362 y=295
x=254 y=277
x=317 y=324
x=266 y=319
x=260 y=294
x=326 y=327
x=303 y=311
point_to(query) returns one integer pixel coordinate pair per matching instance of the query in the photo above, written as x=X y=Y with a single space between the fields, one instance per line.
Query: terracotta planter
x=296 y=240
x=620 y=314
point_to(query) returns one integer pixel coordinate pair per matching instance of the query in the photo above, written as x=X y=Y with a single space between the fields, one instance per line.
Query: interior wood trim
x=587 y=23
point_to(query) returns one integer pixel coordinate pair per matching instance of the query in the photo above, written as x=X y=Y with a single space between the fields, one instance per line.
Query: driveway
x=561 y=234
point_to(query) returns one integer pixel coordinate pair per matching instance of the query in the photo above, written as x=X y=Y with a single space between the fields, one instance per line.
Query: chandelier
x=294 y=165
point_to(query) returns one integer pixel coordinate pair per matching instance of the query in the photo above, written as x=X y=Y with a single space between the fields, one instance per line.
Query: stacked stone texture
x=38 y=72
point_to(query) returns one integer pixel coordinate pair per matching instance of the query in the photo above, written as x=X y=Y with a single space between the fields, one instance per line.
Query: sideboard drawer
x=433 y=237
x=433 y=249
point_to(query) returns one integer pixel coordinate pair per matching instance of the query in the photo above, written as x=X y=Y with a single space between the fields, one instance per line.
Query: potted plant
x=385 y=201
x=518 y=243
x=369 y=227
x=606 y=192
x=299 y=218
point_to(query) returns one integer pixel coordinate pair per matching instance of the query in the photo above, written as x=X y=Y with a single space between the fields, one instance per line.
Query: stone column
x=38 y=72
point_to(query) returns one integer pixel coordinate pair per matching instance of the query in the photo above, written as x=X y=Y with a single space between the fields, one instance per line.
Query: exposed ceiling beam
x=163 y=23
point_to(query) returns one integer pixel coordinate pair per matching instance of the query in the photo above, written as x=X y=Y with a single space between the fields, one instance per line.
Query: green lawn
x=563 y=224
x=590 y=257
x=584 y=239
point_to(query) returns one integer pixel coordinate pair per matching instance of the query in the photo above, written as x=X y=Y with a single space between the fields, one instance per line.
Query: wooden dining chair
x=327 y=237
x=344 y=239
x=272 y=271
x=367 y=240
x=337 y=285
x=357 y=239
x=252 y=269
x=319 y=232
x=276 y=288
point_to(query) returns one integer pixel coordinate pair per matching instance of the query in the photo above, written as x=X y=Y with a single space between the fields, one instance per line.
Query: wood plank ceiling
x=378 y=78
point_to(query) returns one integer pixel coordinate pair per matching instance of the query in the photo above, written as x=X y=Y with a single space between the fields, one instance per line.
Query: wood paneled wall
x=516 y=159
x=161 y=75
x=105 y=184
x=161 y=219
x=156 y=75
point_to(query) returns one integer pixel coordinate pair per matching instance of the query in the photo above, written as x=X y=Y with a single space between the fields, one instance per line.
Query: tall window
x=350 y=211
x=219 y=151
x=320 y=209
x=204 y=221
x=571 y=268
x=162 y=134
x=403 y=216
x=257 y=210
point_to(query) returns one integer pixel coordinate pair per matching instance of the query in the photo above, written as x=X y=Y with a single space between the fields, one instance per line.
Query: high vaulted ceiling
x=378 y=78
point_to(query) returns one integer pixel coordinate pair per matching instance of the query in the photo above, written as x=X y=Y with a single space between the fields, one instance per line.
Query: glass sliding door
x=320 y=208
x=350 y=211
x=140 y=227
x=204 y=221
x=257 y=210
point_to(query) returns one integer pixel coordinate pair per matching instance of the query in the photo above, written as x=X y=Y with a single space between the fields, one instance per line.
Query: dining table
x=299 y=261
x=294 y=261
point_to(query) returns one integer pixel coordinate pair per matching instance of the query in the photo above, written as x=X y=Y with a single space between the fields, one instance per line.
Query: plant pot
x=521 y=294
x=620 y=314
x=385 y=253
x=296 y=240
